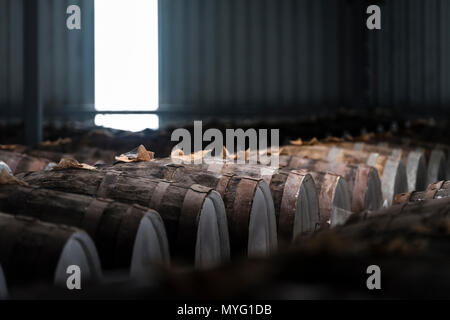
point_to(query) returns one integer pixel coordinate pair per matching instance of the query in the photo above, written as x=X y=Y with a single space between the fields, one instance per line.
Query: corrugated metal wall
x=11 y=57
x=66 y=58
x=410 y=57
x=300 y=56
x=252 y=55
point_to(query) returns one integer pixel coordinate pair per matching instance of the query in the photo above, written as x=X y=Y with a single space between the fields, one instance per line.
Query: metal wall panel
x=233 y=56
x=411 y=65
x=66 y=58
x=304 y=55
x=256 y=56
x=11 y=57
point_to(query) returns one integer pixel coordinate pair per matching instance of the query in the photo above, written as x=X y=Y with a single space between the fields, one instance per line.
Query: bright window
x=126 y=62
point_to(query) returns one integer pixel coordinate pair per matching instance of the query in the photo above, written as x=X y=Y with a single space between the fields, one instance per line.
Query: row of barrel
x=136 y=213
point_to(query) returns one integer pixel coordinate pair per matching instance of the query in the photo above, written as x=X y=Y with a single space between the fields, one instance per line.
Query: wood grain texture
x=285 y=185
x=112 y=225
x=167 y=198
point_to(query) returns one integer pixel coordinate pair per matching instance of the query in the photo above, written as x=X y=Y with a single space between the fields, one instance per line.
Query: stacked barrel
x=140 y=217
x=427 y=167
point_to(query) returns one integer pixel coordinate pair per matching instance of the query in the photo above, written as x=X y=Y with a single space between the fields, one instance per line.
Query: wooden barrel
x=447 y=166
x=194 y=215
x=294 y=195
x=413 y=159
x=248 y=203
x=334 y=198
x=362 y=180
x=3 y=285
x=57 y=152
x=293 y=192
x=18 y=162
x=126 y=236
x=436 y=190
x=391 y=170
x=87 y=155
x=34 y=251
x=437 y=166
x=249 y=207
x=419 y=209
x=409 y=243
x=4 y=166
x=446 y=150
x=435 y=155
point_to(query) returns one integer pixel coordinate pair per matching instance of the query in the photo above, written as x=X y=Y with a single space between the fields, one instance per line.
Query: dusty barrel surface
x=248 y=203
x=194 y=216
x=413 y=159
x=362 y=180
x=86 y=155
x=31 y=251
x=447 y=166
x=293 y=192
x=391 y=170
x=436 y=156
x=420 y=209
x=446 y=150
x=436 y=190
x=334 y=198
x=440 y=185
x=4 y=166
x=18 y=162
x=126 y=236
x=437 y=166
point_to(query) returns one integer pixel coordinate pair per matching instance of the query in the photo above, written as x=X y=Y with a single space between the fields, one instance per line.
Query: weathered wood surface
x=57 y=152
x=90 y=156
x=334 y=198
x=119 y=230
x=34 y=251
x=436 y=190
x=248 y=203
x=362 y=180
x=18 y=162
x=4 y=166
x=332 y=191
x=418 y=210
x=409 y=246
x=413 y=159
x=437 y=155
x=293 y=192
x=179 y=204
x=391 y=170
x=437 y=166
